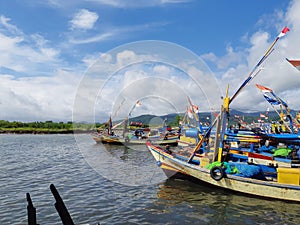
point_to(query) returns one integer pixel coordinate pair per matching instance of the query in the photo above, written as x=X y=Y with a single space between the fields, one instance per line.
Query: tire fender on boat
x=217 y=173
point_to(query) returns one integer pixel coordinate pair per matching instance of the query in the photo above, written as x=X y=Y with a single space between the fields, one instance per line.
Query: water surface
x=115 y=185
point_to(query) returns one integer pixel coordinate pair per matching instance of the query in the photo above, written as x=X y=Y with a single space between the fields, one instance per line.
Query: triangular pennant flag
x=295 y=63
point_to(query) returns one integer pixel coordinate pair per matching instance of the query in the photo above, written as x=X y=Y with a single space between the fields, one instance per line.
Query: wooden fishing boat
x=161 y=136
x=190 y=133
x=169 y=139
x=189 y=136
x=217 y=167
x=285 y=188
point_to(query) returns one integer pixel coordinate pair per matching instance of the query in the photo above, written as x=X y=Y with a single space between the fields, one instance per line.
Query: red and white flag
x=263 y=88
x=295 y=63
x=190 y=112
x=195 y=108
x=262 y=116
x=283 y=32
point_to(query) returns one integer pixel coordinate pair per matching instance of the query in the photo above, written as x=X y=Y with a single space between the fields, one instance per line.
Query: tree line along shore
x=47 y=127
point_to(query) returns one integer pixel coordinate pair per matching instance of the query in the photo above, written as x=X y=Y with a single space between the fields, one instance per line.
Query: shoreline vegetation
x=50 y=127
x=47 y=127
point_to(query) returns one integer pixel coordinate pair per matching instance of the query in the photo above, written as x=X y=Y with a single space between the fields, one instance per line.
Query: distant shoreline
x=47 y=127
x=45 y=132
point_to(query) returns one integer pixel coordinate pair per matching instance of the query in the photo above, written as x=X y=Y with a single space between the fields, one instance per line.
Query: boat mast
x=225 y=107
x=221 y=119
x=220 y=132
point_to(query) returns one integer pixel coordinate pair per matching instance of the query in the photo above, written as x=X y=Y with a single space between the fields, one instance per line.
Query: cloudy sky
x=95 y=58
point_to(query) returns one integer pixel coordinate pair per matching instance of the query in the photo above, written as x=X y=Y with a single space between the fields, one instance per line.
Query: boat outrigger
x=254 y=173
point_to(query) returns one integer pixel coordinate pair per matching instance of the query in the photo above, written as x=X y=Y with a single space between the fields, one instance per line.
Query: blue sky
x=189 y=23
x=48 y=45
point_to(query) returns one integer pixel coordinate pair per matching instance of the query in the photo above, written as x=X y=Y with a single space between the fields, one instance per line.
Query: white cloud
x=18 y=56
x=138 y=4
x=278 y=74
x=149 y=71
x=124 y=57
x=42 y=98
x=38 y=98
x=84 y=19
x=173 y=1
x=232 y=57
x=4 y=21
x=162 y=70
x=32 y=85
x=24 y=53
x=113 y=33
x=96 y=38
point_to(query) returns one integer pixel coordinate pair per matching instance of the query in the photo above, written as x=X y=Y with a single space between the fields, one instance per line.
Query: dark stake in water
x=115 y=185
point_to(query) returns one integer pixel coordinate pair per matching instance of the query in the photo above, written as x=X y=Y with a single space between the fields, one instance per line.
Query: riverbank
x=44 y=131
x=47 y=127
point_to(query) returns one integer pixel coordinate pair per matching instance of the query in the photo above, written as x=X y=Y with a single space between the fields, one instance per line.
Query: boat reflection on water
x=120 y=152
x=211 y=205
x=129 y=165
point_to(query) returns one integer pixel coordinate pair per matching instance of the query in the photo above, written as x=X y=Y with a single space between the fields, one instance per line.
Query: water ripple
x=30 y=163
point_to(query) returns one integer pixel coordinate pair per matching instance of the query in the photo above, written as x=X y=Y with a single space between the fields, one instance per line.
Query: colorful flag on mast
x=262 y=115
x=195 y=108
x=263 y=88
x=236 y=116
x=283 y=32
x=189 y=112
x=295 y=63
x=267 y=112
x=252 y=74
x=271 y=100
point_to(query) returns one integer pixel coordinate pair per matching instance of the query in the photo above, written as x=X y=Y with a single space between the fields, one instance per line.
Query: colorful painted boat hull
x=267 y=189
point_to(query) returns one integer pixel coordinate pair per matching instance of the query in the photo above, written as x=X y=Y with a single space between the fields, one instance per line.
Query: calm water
x=115 y=185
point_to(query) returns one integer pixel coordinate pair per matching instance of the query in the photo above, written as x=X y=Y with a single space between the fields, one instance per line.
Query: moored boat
x=168 y=139
x=164 y=135
x=218 y=167
x=177 y=167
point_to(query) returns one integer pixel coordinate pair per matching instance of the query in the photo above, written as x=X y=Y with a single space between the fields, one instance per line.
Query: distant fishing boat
x=162 y=139
x=219 y=167
x=190 y=133
x=164 y=135
x=161 y=136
